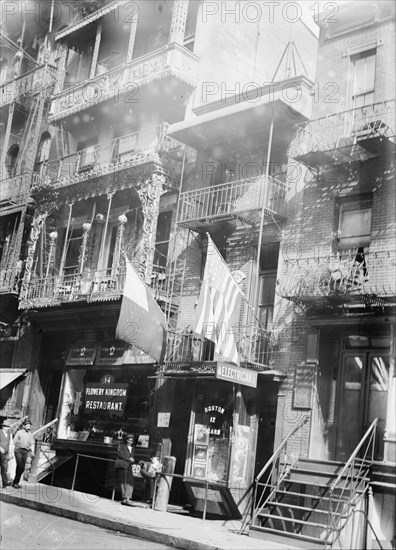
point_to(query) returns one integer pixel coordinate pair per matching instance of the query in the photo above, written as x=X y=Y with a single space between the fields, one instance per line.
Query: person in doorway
x=24 y=447
x=123 y=465
x=5 y=442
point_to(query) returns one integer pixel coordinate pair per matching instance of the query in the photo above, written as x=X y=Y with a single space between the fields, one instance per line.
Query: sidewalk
x=171 y=529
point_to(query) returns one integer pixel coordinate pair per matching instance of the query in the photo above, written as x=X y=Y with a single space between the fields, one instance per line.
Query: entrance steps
x=298 y=511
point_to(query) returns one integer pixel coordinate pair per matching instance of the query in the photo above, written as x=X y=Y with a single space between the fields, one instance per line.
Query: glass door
x=363 y=397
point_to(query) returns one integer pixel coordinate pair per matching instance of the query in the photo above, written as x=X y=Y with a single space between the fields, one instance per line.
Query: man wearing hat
x=5 y=441
x=123 y=466
x=24 y=445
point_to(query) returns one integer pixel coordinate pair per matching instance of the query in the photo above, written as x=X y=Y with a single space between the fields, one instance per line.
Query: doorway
x=363 y=395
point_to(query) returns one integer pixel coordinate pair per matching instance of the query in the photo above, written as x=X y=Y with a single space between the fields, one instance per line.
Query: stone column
x=179 y=20
x=83 y=249
x=37 y=225
x=51 y=255
x=132 y=37
x=119 y=244
x=61 y=73
x=149 y=193
x=95 y=53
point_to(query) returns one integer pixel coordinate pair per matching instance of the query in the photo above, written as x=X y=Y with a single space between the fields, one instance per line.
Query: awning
x=9 y=375
x=87 y=20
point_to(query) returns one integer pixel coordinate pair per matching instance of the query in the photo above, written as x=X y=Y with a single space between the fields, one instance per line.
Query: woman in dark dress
x=123 y=466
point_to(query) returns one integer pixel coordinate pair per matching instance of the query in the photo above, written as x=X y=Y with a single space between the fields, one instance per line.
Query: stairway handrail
x=353 y=455
x=43 y=428
x=275 y=455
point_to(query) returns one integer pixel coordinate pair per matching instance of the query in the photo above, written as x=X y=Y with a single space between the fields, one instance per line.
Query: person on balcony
x=123 y=466
x=5 y=443
x=24 y=447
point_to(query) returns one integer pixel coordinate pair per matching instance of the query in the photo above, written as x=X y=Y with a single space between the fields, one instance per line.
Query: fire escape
x=356 y=277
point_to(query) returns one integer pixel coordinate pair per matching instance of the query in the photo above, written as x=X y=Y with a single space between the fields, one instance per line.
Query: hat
x=27 y=422
x=129 y=436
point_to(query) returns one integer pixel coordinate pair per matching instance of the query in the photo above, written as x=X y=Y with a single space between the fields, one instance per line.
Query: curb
x=128 y=529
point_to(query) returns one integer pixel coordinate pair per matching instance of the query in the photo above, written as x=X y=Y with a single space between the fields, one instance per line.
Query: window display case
x=101 y=404
x=223 y=433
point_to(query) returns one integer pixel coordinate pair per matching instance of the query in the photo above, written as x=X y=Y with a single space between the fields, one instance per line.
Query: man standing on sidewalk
x=5 y=441
x=24 y=445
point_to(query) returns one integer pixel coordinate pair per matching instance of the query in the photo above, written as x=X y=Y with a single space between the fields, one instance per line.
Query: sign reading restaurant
x=106 y=396
x=238 y=375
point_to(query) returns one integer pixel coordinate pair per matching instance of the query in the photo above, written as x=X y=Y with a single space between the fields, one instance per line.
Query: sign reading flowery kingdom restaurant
x=238 y=375
x=105 y=395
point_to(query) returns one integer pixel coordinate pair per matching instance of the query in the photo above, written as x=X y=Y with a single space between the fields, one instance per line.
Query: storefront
x=107 y=391
x=225 y=424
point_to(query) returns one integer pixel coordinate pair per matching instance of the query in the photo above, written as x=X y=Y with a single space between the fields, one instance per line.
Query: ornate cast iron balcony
x=94 y=286
x=233 y=199
x=15 y=191
x=124 y=82
x=10 y=279
x=354 y=277
x=113 y=156
x=41 y=79
x=357 y=134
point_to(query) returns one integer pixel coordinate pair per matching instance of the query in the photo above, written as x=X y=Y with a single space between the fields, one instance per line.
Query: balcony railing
x=92 y=286
x=351 y=132
x=40 y=79
x=352 y=276
x=170 y=61
x=109 y=157
x=253 y=343
x=233 y=198
x=15 y=190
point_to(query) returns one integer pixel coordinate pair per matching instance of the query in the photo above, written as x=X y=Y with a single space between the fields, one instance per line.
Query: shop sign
x=238 y=375
x=105 y=395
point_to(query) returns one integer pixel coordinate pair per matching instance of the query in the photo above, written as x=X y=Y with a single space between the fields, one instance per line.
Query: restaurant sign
x=105 y=395
x=235 y=374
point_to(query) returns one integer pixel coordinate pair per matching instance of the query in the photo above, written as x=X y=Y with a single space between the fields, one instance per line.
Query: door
x=363 y=397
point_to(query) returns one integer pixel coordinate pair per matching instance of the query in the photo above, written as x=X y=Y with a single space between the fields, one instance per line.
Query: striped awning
x=87 y=20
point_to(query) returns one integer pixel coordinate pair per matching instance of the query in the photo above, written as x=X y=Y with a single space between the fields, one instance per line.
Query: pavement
x=172 y=529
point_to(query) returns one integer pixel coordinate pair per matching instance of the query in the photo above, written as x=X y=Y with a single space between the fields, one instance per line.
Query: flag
x=141 y=321
x=218 y=302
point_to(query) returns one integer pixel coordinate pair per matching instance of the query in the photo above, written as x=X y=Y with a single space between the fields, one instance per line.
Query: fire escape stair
x=298 y=511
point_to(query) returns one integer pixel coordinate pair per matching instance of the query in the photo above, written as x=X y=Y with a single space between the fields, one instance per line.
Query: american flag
x=218 y=301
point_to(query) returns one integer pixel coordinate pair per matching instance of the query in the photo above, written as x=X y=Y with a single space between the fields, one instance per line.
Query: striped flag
x=218 y=302
x=141 y=321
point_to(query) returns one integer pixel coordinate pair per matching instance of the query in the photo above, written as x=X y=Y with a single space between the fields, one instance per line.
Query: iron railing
x=10 y=280
x=28 y=84
x=91 y=286
x=108 y=157
x=253 y=343
x=349 y=273
x=232 y=198
x=170 y=60
x=331 y=132
x=276 y=470
x=351 y=484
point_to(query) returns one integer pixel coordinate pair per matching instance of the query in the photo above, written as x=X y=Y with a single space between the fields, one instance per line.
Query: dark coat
x=123 y=456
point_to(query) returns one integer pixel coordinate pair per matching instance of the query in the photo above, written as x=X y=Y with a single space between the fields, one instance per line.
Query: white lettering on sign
x=214 y=408
x=239 y=375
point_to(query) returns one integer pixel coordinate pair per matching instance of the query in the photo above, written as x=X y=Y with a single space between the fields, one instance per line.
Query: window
x=189 y=34
x=363 y=66
x=43 y=152
x=354 y=225
x=73 y=251
x=88 y=154
x=11 y=160
x=162 y=238
x=268 y=266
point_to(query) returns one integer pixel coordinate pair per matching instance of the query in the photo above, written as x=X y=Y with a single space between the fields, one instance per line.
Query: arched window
x=43 y=152
x=11 y=160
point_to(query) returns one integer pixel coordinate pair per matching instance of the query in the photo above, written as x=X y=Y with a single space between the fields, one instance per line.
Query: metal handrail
x=302 y=421
x=43 y=428
x=349 y=476
x=353 y=455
